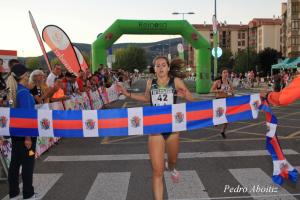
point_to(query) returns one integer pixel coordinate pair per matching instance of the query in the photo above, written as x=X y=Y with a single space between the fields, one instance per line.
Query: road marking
x=271 y=197
x=244 y=122
x=124 y=105
x=123 y=139
x=283 y=117
x=258 y=183
x=215 y=140
x=287 y=126
x=292 y=135
x=251 y=125
x=231 y=140
x=189 y=186
x=105 y=140
x=297 y=119
x=218 y=135
x=112 y=186
x=42 y=183
x=217 y=154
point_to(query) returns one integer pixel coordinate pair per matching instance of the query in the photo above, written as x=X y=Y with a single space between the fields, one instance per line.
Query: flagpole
x=39 y=40
x=215 y=40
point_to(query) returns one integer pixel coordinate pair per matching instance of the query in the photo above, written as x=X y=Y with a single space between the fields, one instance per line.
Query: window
x=243 y=43
x=243 y=35
x=239 y=35
x=295 y=7
x=295 y=24
x=224 y=42
x=295 y=41
x=239 y=43
x=224 y=33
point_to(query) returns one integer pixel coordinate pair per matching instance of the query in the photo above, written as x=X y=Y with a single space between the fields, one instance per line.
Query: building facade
x=265 y=33
x=259 y=34
x=231 y=36
x=290 y=35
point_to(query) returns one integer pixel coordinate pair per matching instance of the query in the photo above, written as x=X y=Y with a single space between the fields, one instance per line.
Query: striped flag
x=157 y=119
x=113 y=122
x=148 y=120
x=67 y=123
x=23 y=122
x=282 y=168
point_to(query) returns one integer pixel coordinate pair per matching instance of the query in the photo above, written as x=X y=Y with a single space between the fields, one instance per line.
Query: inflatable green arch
x=158 y=27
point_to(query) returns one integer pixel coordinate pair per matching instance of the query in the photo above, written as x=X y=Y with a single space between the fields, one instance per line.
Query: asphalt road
x=211 y=168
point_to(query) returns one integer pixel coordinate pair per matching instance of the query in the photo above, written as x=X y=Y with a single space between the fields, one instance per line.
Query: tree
x=130 y=58
x=33 y=63
x=245 y=61
x=55 y=61
x=267 y=58
x=227 y=59
x=120 y=55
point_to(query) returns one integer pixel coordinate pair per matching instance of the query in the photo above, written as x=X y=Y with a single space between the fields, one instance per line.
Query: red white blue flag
x=148 y=120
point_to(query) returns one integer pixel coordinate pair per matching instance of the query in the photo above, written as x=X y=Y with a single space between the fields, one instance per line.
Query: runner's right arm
x=137 y=96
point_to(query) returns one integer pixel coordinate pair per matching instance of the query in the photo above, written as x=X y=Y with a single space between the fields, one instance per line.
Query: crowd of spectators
x=60 y=84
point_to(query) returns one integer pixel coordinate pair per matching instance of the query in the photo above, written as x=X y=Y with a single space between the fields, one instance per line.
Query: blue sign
x=219 y=52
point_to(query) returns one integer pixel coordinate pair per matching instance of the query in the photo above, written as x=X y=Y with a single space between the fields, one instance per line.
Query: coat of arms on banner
x=179 y=117
x=90 y=124
x=255 y=105
x=284 y=167
x=219 y=112
x=45 y=124
x=3 y=121
x=135 y=121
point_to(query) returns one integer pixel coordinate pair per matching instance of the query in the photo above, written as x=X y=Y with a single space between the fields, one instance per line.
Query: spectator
x=11 y=83
x=3 y=92
x=285 y=80
x=88 y=73
x=81 y=81
x=56 y=71
x=23 y=148
x=70 y=84
x=40 y=91
x=1 y=65
x=257 y=78
x=59 y=94
x=94 y=83
x=277 y=83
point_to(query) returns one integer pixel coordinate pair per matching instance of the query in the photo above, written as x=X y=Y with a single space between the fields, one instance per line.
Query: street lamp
x=215 y=36
x=183 y=13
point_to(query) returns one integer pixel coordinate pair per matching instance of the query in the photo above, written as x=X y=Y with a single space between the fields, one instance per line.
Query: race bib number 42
x=161 y=97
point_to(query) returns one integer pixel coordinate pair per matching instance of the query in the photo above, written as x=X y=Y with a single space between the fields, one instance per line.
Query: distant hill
x=152 y=49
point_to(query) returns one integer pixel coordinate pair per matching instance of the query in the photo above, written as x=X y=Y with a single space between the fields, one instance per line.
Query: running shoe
x=35 y=196
x=223 y=135
x=19 y=197
x=166 y=165
x=175 y=176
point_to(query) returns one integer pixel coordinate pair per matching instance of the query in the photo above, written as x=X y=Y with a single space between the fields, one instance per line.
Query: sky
x=83 y=20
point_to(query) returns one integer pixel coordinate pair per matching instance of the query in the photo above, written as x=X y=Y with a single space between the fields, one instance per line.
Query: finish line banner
x=145 y=121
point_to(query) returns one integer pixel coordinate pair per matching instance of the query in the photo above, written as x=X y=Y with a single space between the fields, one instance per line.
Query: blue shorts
x=166 y=135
